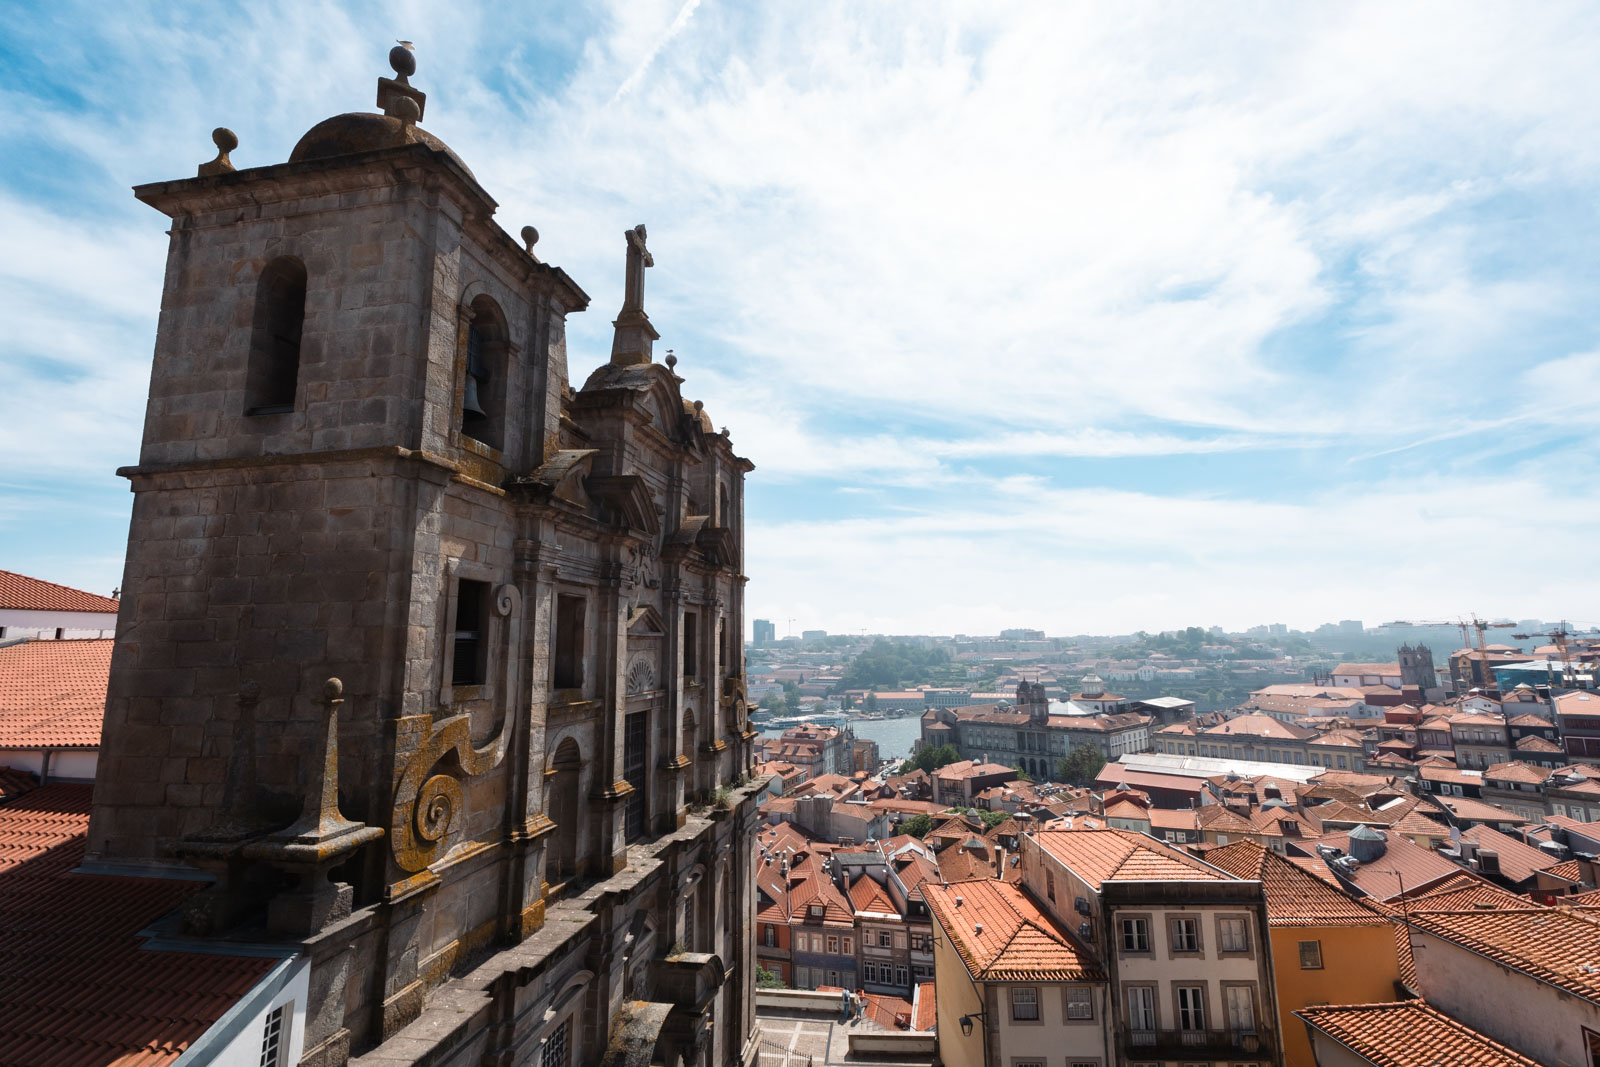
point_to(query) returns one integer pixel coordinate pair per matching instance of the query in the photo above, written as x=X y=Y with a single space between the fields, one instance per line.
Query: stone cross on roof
x=634 y=335
x=638 y=259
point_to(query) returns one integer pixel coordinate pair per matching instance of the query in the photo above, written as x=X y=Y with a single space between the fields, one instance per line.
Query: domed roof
x=1092 y=685
x=361 y=131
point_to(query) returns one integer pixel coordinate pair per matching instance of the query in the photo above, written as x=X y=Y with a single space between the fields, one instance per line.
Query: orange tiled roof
x=1409 y=1033
x=1477 y=810
x=53 y=693
x=1534 y=743
x=14 y=783
x=21 y=593
x=1462 y=894
x=1516 y=771
x=1294 y=898
x=1518 y=861
x=1553 y=945
x=868 y=895
x=1404 y=866
x=925 y=1010
x=1003 y=936
x=1107 y=855
x=76 y=984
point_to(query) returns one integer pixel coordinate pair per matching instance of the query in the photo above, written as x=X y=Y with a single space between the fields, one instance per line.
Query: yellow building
x=1327 y=947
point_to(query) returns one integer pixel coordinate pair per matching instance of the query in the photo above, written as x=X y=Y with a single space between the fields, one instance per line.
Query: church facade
x=429 y=658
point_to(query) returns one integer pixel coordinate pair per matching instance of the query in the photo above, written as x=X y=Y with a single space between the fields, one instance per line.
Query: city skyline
x=1121 y=317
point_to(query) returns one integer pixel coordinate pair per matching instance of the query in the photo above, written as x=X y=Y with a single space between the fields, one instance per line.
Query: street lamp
x=966 y=1031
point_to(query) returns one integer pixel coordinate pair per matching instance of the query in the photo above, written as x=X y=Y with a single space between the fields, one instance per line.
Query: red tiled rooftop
x=1409 y=1033
x=1099 y=856
x=1404 y=866
x=1294 y=897
x=53 y=693
x=21 y=593
x=77 y=987
x=1554 y=945
x=1003 y=936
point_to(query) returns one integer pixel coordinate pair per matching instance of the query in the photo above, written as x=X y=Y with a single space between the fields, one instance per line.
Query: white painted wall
x=1547 y=1024
x=44 y=624
x=71 y=765
x=235 y=1039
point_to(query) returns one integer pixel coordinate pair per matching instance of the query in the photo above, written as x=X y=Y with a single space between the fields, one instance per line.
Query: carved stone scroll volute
x=427 y=820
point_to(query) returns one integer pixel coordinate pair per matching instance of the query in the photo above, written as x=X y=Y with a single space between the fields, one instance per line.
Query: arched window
x=483 y=394
x=724 y=517
x=273 y=372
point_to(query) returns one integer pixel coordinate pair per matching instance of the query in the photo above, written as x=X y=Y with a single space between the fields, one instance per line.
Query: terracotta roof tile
x=1554 y=945
x=76 y=984
x=13 y=783
x=1404 y=866
x=53 y=693
x=1518 y=861
x=1516 y=771
x=925 y=1008
x=1002 y=935
x=21 y=593
x=868 y=895
x=1409 y=1033
x=1477 y=810
x=1294 y=897
x=1099 y=856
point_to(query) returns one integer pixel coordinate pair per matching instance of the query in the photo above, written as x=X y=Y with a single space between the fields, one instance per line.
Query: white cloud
x=898 y=246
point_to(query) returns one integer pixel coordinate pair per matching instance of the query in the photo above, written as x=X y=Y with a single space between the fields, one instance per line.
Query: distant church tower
x=418 y=641
x=1416 y=667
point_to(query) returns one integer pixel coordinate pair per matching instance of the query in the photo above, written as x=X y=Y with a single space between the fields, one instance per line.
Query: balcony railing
x=1175 y=1044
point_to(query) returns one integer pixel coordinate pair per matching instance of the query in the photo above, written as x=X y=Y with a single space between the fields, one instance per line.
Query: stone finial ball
x=332 y=689
x=699 y=406
x=405 y=109
x=530 y=237
x=403 y=60
x=225 y=139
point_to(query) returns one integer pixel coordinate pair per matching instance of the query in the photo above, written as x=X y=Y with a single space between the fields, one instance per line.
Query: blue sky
x=1091 y=318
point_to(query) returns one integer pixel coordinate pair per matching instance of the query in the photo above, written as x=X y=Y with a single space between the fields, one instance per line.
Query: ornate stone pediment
x=626 y=500
x=645 y=621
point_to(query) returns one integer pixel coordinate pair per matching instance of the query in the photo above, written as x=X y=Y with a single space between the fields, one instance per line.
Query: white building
x=44 y=610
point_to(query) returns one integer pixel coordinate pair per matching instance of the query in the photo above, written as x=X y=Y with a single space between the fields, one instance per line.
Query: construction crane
x=1559 y=636
x=1478 y=627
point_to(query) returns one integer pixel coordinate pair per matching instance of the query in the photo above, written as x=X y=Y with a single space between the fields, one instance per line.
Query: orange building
x=1327 y=947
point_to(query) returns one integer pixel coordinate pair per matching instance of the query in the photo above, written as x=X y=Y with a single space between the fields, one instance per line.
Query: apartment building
x=1327 y=946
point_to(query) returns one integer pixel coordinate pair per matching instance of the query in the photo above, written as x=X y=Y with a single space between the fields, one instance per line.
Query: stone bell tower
x=419 y=645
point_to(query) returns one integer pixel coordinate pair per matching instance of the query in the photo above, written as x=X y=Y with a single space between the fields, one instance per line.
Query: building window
x=1233 y=935
x=1185 y=934
x=833 y=944
x=1080 y=1004
x=635 y=764
x=1050 y=883
x=817 y=911
x=1191 y=1007
x=272 y=375
x=275 y=1037
x=1240 y=1002
x=1141 y=1008
x=900 y=975
x=884 y=940
x=1135 y=935
x=691 y=646
x=555 y=1051
x=1311 y=955
x=848 y=946
x=571 y=618
x=770 y=936
x=469 y=664
x=1024 y=1005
